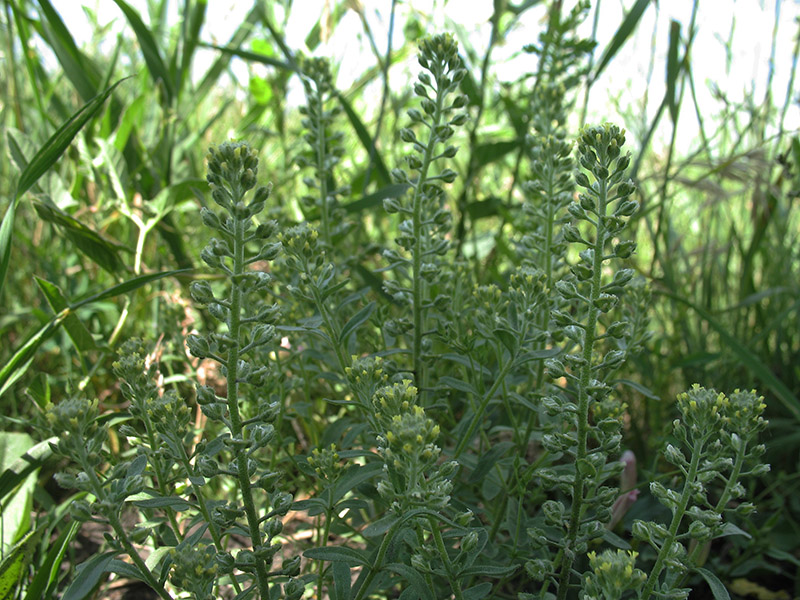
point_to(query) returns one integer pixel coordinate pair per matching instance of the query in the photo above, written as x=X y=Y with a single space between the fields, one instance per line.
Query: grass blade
x=53 y=148
x=627 y=27
x=77 y=331
x=20 y=361
x=79 y=69
x=366 y=140
x=673 y=68
x=252 y=56
x=44 y=159
x=749 y=360
x=152 y=55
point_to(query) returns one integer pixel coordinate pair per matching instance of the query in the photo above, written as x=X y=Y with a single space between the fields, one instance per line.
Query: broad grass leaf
x=19 y=362
x=673 y=68
x=46 y=578
x=490 y=152
x=394 y=190
x=152 y=55
x=196 y=19
x=88 y=576
x=622 y=34
x=209 y=81
x=22 y=467
x=349 y=556
x=15 y=562
x=748 y=358
x=44 y=159
x=366 y=140
x=16 y=514
x=252 y=57
x=78 y=68
x=89 y=242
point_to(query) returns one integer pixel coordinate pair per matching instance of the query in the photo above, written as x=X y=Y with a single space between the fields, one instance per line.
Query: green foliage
x=462 y=395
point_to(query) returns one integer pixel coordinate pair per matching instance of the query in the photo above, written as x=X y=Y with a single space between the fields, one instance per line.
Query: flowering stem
x=237 y=433
x=590 y=334
x=677 y=517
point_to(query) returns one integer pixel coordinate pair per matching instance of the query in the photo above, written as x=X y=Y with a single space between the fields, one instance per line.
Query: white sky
x=625 y=79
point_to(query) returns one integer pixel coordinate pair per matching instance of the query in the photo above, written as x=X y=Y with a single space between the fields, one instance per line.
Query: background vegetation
x=99 y=227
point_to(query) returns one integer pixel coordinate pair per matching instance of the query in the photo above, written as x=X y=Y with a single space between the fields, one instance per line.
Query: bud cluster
x=717 y=447
x=324 y=146
x=407 y=444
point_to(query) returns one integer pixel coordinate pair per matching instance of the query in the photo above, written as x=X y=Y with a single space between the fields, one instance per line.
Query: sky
x=748 y=24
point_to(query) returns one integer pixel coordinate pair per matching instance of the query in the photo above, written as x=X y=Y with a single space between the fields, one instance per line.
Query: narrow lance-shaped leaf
x=152 y=55
x=19 y=362
x=77 y=331
x=673 y=68
x=77 y=67
x=45 y=158
x=627 y=27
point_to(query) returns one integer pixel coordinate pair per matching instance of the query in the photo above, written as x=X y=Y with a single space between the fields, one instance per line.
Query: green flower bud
x=293 y=589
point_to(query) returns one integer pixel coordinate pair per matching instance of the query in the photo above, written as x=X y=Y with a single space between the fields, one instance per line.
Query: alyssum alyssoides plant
x=171 y=479
x=587 y=297
x=425 y=222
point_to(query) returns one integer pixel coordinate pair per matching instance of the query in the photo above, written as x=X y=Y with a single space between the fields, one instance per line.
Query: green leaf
x=488 y=460
x=635 y=385
x=47 y=572
x=45 y=158
x=341 y=581
x=16 y=507
x=19 y=362
x=196 y=18
x=127 y=286
x=83 y=74
x=88 y=576
x=489 y=571
x=178 y=504
x=414 y=580
x=350 y=556
x=85 y=239
x=749 y=360
x=394 y=190
x=717 y=588
x=77 y=331
x=355 y=476
x=15 y=562
x=673 y=68
x=458 y=384
x=152 y=55
x=493 y=151
x=366 y=140
x=26 y=464
x=509 y=339
x=125 y=569
x=627 y=27
x=356 y=321
x=482 y=590
x=252 y=57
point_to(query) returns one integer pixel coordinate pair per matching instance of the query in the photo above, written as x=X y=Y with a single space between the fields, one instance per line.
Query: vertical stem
x=677 y=516
x=583 y=395
x=321 y=171
x=448 y=566
x=419 y=285
x=237 y=433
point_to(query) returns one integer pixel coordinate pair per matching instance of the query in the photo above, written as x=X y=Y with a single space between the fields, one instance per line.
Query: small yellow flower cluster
x=194 y=569
x=326 y=462
x=613 y=573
